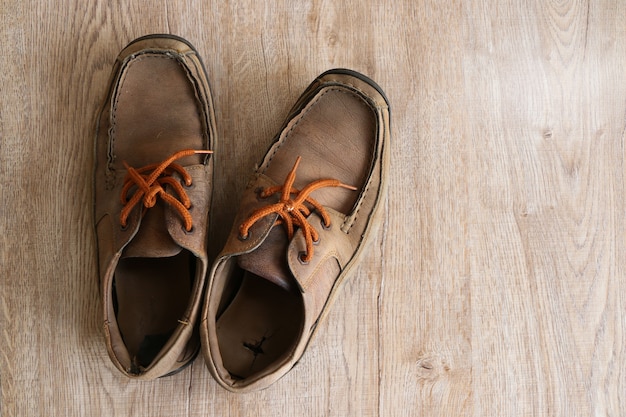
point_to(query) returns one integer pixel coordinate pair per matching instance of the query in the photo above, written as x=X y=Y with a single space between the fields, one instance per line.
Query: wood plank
x=546 y=249
x=496 y=284
x=426 y=325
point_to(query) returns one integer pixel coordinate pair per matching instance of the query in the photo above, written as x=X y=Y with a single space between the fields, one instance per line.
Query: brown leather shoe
x=152 y=188
x=303 y=222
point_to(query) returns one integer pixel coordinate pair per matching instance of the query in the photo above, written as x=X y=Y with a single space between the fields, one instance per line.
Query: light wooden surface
x=496 y=286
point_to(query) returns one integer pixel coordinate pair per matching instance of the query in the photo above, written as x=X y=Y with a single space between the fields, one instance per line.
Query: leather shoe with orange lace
x=304 y=219
x=153 y=181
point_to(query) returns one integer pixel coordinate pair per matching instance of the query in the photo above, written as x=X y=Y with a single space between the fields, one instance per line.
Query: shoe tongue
x=152 y=239
x=269 y=260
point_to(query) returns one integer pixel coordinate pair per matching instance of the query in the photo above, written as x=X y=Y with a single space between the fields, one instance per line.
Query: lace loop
x=150 y=181
x=293 y=212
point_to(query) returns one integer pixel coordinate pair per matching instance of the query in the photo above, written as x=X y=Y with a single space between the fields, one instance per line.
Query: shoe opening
x=259 y=325
x=150 y=296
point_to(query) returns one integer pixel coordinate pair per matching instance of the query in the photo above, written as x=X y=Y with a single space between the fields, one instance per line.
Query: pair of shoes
x=304 y=219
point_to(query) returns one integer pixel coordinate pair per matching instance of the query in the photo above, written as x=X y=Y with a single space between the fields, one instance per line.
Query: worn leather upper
x=340 y=128
x=158 y=103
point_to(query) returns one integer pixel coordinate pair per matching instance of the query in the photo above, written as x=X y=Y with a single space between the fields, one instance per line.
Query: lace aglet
x=202 y=151
x=349 y=187
x=292 y=174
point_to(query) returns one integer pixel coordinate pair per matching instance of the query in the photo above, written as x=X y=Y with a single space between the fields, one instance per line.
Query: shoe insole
x=259 y=327
x=152 y=295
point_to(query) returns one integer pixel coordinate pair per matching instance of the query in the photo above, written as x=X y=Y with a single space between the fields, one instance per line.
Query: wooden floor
x=496 y=286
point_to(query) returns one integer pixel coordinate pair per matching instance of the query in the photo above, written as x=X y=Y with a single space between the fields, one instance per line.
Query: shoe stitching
x=361 y=91
x=204 y=92
x=311 y=105
x=118 y=92
x=352 y=217
x=318 y=266
x=301 y=117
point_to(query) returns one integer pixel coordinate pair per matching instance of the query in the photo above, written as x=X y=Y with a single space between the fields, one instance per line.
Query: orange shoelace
x=293 y=212
x=149 y=182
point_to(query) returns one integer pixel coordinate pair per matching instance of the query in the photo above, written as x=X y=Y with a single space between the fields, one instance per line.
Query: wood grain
x=496 y=284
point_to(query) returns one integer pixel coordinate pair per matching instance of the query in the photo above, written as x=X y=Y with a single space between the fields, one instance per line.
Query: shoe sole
x=362 y=77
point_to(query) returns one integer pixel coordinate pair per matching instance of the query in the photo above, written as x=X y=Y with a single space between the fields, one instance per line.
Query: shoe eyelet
x=188 y=232
x=324 y=225
x=243 y=238
x=317 y=242
x=124 y=228
x=259 y=193
x=301 y=256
